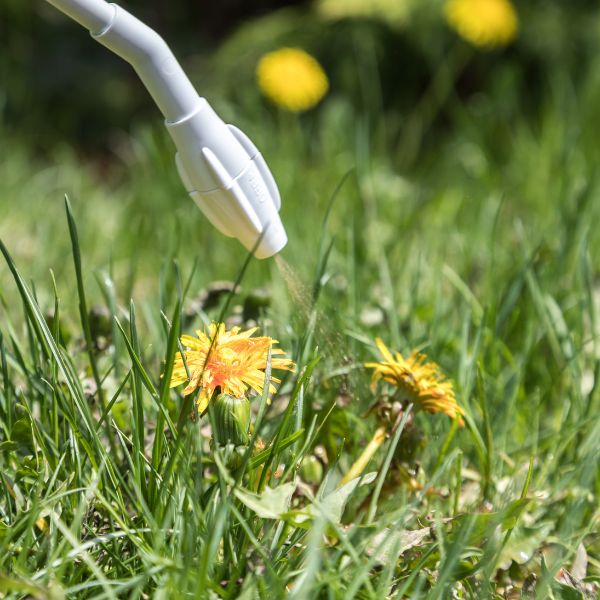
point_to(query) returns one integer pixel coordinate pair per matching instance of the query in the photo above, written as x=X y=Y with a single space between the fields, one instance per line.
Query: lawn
x=462 y=226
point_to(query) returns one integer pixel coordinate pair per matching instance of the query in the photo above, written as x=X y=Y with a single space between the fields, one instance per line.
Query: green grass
x=484 y=255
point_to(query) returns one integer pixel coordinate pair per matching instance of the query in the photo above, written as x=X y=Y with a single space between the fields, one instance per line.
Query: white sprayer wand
x=220 y=167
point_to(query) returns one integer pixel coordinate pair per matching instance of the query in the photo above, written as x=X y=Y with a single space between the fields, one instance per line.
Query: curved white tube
x=220 y=167
x=92 y=14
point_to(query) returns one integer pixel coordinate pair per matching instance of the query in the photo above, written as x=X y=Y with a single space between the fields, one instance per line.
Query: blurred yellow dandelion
x=292 y=79
x=483 y=23
x=232 y=361
x=417 y=380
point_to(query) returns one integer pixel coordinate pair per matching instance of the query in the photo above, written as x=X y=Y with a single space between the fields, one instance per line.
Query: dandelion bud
x=311 y=470
x=232 y=420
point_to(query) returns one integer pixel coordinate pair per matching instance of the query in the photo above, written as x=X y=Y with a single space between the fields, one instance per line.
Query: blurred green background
x=434 y=131
x=48 y=65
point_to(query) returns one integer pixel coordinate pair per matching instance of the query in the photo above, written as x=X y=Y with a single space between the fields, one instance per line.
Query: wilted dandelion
x=418 y=382
x=483 y=23
x=292 y=79
x=231 y=361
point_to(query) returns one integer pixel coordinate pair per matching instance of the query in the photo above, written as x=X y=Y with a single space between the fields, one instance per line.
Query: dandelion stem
x=363 y=460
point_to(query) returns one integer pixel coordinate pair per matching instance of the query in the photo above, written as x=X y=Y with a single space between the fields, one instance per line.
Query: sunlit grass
x=484 y=257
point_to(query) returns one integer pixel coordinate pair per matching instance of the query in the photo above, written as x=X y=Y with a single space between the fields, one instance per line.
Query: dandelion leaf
x=330 y=507
x=271 y=504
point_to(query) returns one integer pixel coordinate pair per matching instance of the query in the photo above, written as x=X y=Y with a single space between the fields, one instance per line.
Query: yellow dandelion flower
x=292 y=79
x=419 y=381
x=232 y=361
x=483 y=23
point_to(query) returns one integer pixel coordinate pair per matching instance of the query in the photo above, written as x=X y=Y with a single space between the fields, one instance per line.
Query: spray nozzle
x=221 y=168
x=227 y=177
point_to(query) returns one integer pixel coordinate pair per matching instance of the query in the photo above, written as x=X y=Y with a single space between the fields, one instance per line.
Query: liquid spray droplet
x=302 y=297
x=299 y=291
